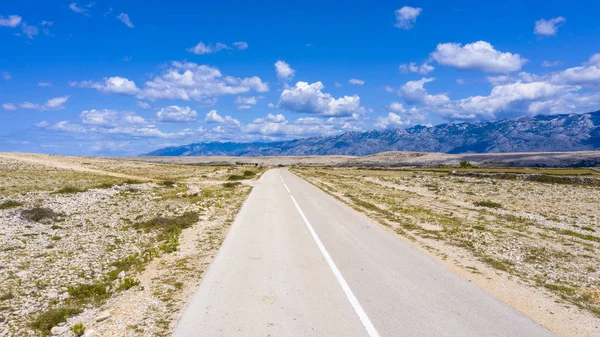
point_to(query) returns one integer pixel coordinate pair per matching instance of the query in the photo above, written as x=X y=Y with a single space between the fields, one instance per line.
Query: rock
x=121 y=275
x=89 y=333
x=57 y=330
x=193 y=190
x=180 y=194
x=103 y=316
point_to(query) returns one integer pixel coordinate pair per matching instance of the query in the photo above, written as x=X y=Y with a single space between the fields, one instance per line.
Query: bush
x=234 y=177
x=78 y=329
x=249 y=174
x=168 y=183
x=466 y=164
x=88 y=292
x=50 y=318
x=10 y=204
x=128 y=283
x=170 y=228
x=39 y=213
x=70 y=190
x=489 y=204
x=231 y=184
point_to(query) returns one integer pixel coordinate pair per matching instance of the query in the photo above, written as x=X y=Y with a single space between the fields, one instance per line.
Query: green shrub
x=52 y=317
x=234 y=177
x=78 y=329
x=465 y=164
x=70 y=190
x=489 y=204
x=88 y=292
x=128 y=283
x=249 y=174
x=10 y=204
x=7 y=296
x=231 y=184
x=39 y=213
x=168 y=183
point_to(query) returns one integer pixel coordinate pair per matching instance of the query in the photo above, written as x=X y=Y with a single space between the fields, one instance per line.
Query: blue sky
x=120 y=78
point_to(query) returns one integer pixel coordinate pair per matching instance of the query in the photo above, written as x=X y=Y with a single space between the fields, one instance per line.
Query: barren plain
x=107 y=248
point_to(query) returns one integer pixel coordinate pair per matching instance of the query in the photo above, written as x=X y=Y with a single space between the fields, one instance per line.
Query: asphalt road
x=297 y=262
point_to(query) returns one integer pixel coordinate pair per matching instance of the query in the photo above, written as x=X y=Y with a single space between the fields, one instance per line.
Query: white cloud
x=283 y=70
x=9 y=106
x=412 y=67
x=111 y=85
x=549 y=64
x=338 y=84
x=201 y=48
x=11 y=21
x=143 y=105
x=500 y=79
x=477 y=56
x=279 y=118
x=396 y=107
x=246 y=103
x=308 y=98
x=177 y=114
x=186 y=81
x=240 y=45
x=356 y=81
x=29 y=31
x=595 y=60
x=75 y=8
x=548 y=27
x=392 y=120
x=44 y=84
x=213 y=117
x=64 y=126
x=55 y=103
x=406 y=17
x=110 y=118
x=460 y=81
x=414 y=92
x=125 y=19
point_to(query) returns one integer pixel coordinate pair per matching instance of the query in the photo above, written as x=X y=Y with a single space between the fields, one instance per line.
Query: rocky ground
x=100 y=247
x=533 y=244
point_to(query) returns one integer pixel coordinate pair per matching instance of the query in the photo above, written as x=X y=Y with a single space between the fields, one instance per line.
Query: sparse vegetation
x=38 y=214
x=488 y=204
x=46 y=320
x=78 y=329
x=231 y=184
x=70 y=190
x=9 y=204
x=128 y=283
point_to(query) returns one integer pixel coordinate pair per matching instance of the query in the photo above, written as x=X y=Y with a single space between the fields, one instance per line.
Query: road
x=297 y=262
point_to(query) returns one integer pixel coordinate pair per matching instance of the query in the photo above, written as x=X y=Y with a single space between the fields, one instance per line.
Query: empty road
x=297 y=262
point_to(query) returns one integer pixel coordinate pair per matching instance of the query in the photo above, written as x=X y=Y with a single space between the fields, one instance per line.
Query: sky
x=120 y=78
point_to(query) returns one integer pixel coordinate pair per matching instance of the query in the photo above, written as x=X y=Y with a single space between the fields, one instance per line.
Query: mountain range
x=542 y=133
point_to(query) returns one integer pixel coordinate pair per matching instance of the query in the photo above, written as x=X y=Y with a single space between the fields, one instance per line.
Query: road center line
x=362 y=315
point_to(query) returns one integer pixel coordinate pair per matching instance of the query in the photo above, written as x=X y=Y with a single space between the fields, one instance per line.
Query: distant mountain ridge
x=555 y=133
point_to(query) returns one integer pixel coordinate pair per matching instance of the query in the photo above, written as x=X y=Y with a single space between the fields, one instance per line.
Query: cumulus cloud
x=64 y=126
x=308 y=98
x=548 y=27
x=246 y=103
x=55 y=103
x=413 y=92
x=240 y=45
x=406 y=17
x=392 y=120
x=143 y=105
x=9 y=106
x=283 y=70
x=176 y=114
x=190 y=81
x=125 y=19
x=44 y=84
x=110 y=118
x=356 y=81
x=477 y=56
x=11 y=21
x=111 y=85
x=412 y=67
x=213 y=117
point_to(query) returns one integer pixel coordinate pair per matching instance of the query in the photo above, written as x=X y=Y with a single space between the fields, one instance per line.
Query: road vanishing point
x=297 y=262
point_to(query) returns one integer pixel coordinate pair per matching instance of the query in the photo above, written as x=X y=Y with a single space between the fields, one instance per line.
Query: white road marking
x=362 y=315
